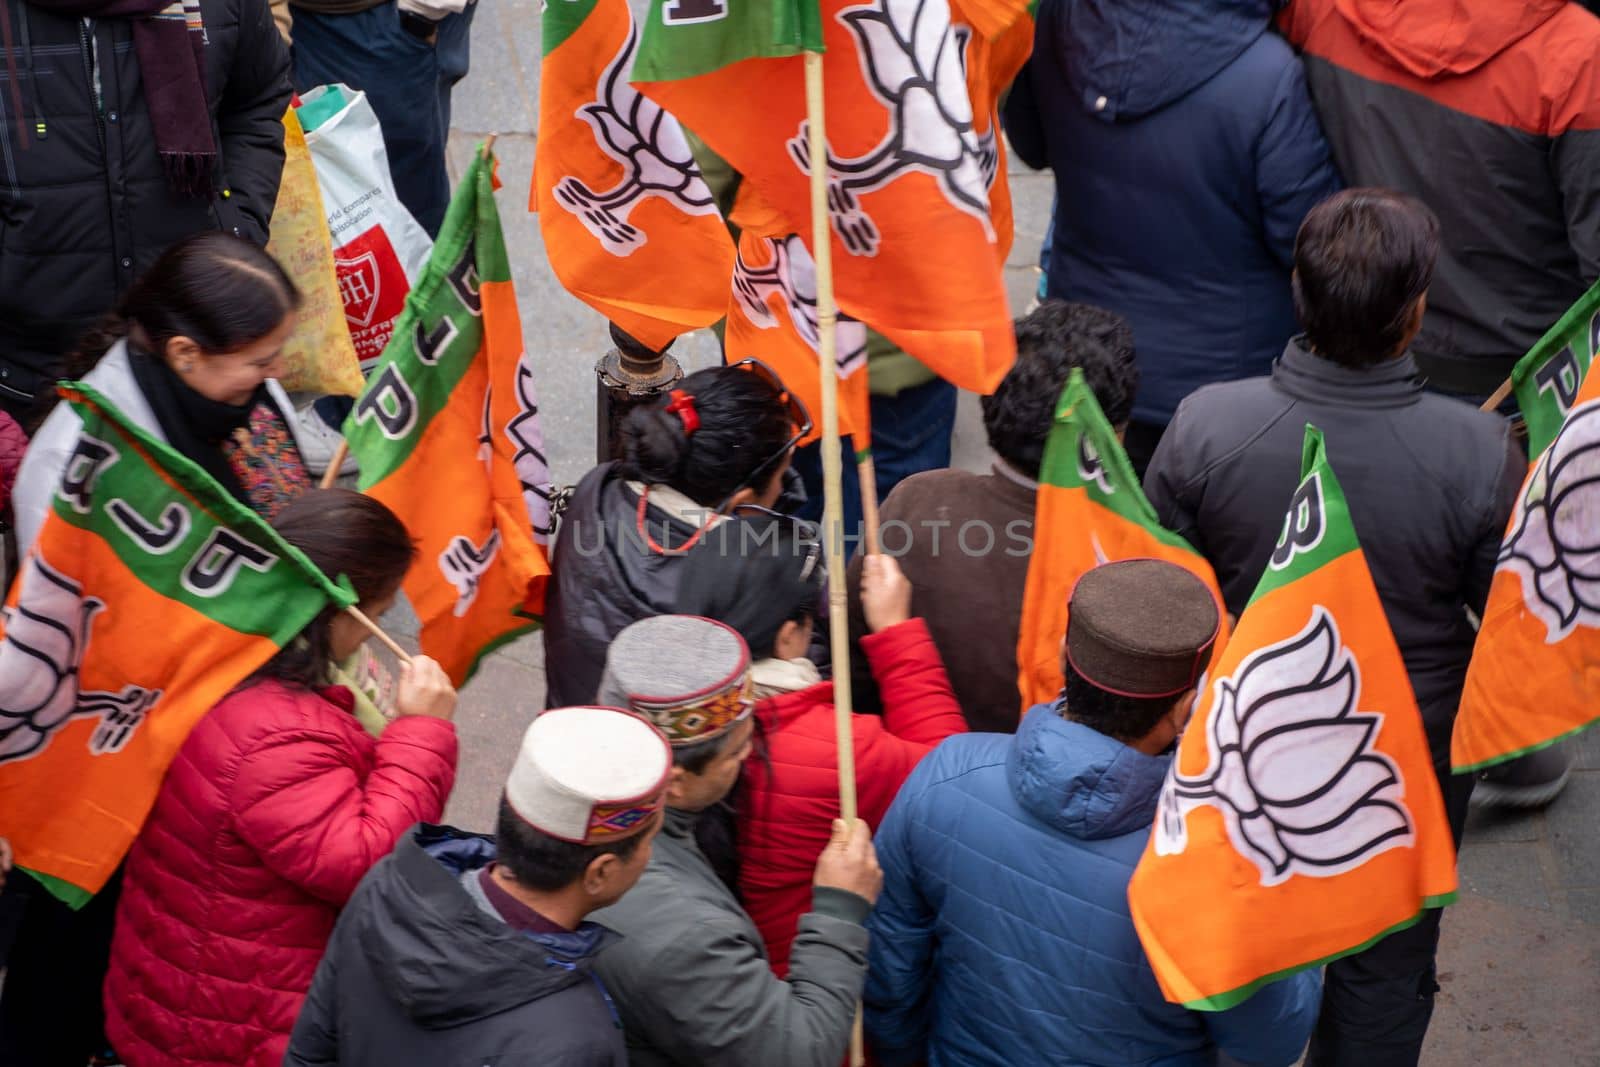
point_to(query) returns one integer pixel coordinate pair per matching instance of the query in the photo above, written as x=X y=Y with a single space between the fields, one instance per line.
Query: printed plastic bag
x=319 y=357
x=378 y=248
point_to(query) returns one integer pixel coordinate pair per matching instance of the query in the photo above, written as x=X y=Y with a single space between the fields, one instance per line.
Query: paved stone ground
x=1520 y=963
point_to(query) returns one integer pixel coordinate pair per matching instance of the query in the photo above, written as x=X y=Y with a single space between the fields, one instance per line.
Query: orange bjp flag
x=773 y=317
x=1301 y=819
x=1535 y=669
x=1090 y=510
x=629 y=224
x=148 y=594
x=448 y=436
x=915 y=248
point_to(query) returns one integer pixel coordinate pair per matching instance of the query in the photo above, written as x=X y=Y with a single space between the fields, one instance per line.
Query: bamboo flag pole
x=331 y=475
x=388 y=642
x=832 y=462
x=1497 y=397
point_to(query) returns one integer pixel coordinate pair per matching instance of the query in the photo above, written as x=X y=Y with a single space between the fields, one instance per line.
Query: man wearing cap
x=460 y=948
x=1003 y=933
x=690 y=976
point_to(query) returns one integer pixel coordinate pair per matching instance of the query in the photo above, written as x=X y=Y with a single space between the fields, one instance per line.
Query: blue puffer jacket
x=1002 y=935
x=1186 y=153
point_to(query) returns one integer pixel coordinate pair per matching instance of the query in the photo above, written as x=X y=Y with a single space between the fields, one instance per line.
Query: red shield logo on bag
x=359 y=286
x=373 y=285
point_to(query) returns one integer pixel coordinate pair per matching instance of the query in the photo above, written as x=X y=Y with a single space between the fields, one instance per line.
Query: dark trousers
x=910 y=433
x=408 y=81
x=50 y=1011
x=1376 y=1005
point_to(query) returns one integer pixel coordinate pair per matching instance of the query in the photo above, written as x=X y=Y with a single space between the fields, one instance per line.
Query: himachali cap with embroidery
x=1141 y=628
x=688 y=675
x=589 y=775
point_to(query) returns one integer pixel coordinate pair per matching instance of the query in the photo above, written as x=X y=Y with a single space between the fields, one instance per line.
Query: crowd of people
x=1355 y=214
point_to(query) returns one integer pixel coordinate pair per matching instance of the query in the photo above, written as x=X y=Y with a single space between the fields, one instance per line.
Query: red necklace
x=644 y=531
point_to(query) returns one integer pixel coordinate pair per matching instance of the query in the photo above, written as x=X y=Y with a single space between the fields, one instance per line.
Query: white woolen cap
x=590 y=774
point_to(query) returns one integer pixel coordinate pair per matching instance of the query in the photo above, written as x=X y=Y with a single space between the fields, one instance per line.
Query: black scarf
x=192 y=424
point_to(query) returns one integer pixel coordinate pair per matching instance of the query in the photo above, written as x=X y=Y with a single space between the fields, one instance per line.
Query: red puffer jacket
x=275 y=807
x=791 y=789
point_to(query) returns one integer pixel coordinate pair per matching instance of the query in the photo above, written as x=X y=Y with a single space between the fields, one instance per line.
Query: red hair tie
x=683 y=406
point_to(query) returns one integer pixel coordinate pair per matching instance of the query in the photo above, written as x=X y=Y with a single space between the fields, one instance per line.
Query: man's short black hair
x=544 y=863
x=1124 y=718
x=1362 y=260
x=1051 y=340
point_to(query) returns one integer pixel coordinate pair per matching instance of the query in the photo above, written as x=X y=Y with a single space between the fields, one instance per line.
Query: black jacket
x=418 y=973
x=1490 y=114
x=84 y=201
x=1430 y=483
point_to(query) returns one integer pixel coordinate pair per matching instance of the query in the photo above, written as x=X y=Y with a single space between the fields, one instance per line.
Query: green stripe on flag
x=1547 y=379
x=1083 y=452
x=437 y=336
x=1317 y=529
x=687 y=38
x=73 y=896
x=561 y=20
x=1234 y=997
x=180 y=533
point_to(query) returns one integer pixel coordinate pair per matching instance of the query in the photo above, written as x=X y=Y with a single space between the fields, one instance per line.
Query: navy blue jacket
x=1186 y=153
x=1002 y=936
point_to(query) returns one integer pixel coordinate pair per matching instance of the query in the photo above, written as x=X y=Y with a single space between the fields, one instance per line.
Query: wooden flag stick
x=1497 y=397
x=488 y=145
x=388 y=642
x=331 y=475
x=832 y=462
x=867 y=476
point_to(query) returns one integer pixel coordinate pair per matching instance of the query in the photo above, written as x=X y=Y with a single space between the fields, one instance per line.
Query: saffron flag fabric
x=1546 y=381
x=448 y=436
x=1301 y=819
x=915 y=251
x=997 y=40
x=1089 y=510
x=149 y=593
x=773 y=316
x=629 y=225
x=319 y=355
x=1536 y=666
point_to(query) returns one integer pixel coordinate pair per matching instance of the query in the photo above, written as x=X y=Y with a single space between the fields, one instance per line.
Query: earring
x=187 y=367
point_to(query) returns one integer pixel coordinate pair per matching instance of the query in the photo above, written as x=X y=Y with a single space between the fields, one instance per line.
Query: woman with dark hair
x=789 y=797
x=190 y=355
x=275 y=807
x=691 y=462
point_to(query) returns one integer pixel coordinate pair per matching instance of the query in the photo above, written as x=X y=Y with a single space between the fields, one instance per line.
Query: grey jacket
x=691 y=979
x=1430 y=482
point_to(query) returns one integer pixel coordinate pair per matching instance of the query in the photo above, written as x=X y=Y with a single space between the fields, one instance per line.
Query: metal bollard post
x=627 y=376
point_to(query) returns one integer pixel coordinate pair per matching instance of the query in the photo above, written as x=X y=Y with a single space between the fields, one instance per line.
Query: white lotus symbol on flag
x=1555 y=548
x=1293 y=770
x=40 y=655
x=654 y=154
x=463 y=565
x=793 y=274
x=914 y=61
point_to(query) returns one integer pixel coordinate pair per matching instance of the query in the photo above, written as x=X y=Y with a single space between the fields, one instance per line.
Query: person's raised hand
x=849 y=862
x=5 y=860
x=885 y=593
x=424 y=690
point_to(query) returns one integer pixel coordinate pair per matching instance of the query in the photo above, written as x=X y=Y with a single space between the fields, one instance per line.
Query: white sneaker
x=318 y=441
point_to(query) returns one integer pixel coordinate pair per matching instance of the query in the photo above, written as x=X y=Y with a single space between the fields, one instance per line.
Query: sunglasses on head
x=799 y=420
